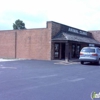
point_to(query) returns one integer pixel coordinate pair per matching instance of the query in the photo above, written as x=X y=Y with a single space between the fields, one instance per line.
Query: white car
x=90 y=54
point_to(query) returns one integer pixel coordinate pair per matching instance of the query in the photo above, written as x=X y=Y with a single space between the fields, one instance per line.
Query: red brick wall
x=34 y=44
x=7 y=44
x=96 y=35
x=31 y=44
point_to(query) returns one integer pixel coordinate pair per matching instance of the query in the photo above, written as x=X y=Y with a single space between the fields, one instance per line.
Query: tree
x=18 y=25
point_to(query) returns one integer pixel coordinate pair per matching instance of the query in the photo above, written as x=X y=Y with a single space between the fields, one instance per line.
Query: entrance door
x=63 y=51
x=78 y=48
x=73 y=50
x=56 y=50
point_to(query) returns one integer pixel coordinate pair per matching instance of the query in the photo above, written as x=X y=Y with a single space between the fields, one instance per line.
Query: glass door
x=78 y=48
x=56 y=50
x=73 y=50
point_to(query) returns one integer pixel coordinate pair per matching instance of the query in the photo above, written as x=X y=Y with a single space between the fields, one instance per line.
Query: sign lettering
x=77 y=31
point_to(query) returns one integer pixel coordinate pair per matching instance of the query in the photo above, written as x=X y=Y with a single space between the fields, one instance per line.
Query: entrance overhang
x=72 y=37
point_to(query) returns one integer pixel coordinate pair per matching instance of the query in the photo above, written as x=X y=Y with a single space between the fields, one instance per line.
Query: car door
x=99 y=52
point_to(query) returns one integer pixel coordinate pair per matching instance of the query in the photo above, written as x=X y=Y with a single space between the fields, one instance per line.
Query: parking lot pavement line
x=47 y=76
x=77 y=79
x=74 y=79
x=8 y=67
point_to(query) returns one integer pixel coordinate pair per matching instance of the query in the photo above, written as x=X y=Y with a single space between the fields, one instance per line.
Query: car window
x=98 y=50
x=88 y=50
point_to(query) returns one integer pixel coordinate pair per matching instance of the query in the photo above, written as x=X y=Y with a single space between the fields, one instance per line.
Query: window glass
x=56 y=50
x=88 y=50
x=98 y=50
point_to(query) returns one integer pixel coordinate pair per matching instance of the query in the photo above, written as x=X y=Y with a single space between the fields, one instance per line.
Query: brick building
x=56 y=41
x=96 y=35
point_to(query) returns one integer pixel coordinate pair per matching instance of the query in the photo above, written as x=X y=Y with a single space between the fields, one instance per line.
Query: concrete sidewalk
x=72 y=61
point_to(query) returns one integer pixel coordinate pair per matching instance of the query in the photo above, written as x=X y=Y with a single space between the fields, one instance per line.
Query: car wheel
x=82 y=62
x=98 y=62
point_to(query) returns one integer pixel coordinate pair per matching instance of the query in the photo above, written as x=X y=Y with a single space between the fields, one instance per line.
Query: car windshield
x=88 y=50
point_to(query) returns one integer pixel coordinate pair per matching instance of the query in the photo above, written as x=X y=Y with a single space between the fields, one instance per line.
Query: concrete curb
x=4 y=59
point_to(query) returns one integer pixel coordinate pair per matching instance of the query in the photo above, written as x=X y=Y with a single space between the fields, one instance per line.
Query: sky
x=81 y=14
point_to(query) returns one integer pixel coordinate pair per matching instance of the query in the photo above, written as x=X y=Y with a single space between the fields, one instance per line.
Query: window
x=88 y=50
x=98 y=50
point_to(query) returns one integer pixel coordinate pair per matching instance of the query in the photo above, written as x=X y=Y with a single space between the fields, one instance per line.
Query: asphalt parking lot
x=48 y=80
